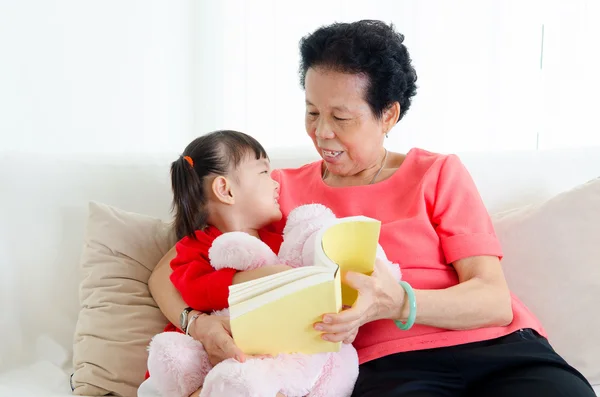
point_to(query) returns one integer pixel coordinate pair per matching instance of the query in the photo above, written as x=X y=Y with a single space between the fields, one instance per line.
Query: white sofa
x=43 y=204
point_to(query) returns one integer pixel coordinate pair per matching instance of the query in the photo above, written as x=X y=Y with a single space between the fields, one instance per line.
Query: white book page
x=255 y=302
x=241 y=292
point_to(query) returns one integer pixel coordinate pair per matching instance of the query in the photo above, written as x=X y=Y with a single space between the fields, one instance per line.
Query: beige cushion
x=552 y=263
x=118 y=316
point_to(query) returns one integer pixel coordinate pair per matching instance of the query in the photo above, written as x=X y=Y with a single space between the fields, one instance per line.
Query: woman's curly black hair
x=367 y=47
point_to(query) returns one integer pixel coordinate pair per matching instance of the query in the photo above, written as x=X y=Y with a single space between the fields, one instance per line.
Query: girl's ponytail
x=189 y=200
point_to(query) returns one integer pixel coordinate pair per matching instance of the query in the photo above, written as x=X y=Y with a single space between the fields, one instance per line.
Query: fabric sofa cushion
x=552 y=263
x=118 y=316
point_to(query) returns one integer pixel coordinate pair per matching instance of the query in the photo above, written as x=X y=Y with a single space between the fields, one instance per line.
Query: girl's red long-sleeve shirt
x=201 y=286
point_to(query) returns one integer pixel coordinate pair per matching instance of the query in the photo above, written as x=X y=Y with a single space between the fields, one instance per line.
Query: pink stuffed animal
x=179 y=364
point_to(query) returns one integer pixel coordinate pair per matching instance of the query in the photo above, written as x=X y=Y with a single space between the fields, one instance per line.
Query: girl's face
x=256 y=193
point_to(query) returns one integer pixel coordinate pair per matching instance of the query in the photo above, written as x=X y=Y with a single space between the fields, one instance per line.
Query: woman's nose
x=323 y=130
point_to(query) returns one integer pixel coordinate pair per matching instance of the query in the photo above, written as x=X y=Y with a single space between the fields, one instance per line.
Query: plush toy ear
x=308 y=250
x=240 y=251
x=394 y=268
x=307 y=215
x=302 y=222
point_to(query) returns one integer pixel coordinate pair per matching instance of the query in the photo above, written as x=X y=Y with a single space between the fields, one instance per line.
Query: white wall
x=149 y=75
x=481 y=84
x=95 y=76
x=571 y=74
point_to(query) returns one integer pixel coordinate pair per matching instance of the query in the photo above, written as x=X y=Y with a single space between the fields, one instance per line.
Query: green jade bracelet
x=412 y=304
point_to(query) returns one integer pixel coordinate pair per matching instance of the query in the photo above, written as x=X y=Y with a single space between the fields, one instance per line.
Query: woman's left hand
x=379 y=297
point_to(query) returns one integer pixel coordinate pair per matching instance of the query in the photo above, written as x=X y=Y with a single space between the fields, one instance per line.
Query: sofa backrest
x=43 y=205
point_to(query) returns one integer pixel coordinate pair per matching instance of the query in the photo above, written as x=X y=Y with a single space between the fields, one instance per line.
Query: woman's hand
x=214 y=333
x=379 y=297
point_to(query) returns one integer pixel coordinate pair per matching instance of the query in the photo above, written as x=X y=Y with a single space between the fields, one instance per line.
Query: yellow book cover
x=275 y=314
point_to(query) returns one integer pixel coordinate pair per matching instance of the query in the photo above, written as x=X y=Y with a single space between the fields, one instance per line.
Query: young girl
x=221 y=183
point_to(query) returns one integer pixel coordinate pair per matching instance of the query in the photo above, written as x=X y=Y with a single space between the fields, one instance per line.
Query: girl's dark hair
x=367 y=47
x=215 y=153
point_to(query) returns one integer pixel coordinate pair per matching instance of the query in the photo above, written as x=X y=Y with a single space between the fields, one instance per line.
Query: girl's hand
x=379 y=297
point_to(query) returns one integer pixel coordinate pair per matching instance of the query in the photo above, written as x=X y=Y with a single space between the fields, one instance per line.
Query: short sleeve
x=459 y=215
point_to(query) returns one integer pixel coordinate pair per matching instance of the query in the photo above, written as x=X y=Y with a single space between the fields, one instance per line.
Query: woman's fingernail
x=327 y=320
x=319 y=327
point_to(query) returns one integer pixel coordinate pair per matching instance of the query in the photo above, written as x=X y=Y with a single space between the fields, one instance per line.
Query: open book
x=276 y=314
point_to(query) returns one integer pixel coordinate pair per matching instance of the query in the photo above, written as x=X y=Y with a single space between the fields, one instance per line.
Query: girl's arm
x=241 y=277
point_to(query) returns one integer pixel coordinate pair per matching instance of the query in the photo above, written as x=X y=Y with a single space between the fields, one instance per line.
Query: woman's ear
x=391 y=115
x=221 y=188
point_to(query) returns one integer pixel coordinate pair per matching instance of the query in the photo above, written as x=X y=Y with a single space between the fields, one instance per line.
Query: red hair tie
x=189 y=160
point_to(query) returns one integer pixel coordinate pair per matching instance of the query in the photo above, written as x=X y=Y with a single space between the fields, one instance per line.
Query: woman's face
x=340 y=122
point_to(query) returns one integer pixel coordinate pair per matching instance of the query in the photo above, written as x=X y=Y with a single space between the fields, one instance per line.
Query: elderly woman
x=453 y=329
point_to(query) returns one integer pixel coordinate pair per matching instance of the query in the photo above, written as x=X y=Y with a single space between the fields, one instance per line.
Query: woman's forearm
x=168 y=299
x=467 y=305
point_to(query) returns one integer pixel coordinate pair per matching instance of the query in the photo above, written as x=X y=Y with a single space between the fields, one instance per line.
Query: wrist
x=400 y=308
x=404 y=310
x=407 y=313
x=184 y=317
x=194 y=329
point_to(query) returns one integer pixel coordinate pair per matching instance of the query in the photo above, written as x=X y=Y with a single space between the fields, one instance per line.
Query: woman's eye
x=339 y=118
x=313 y=114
